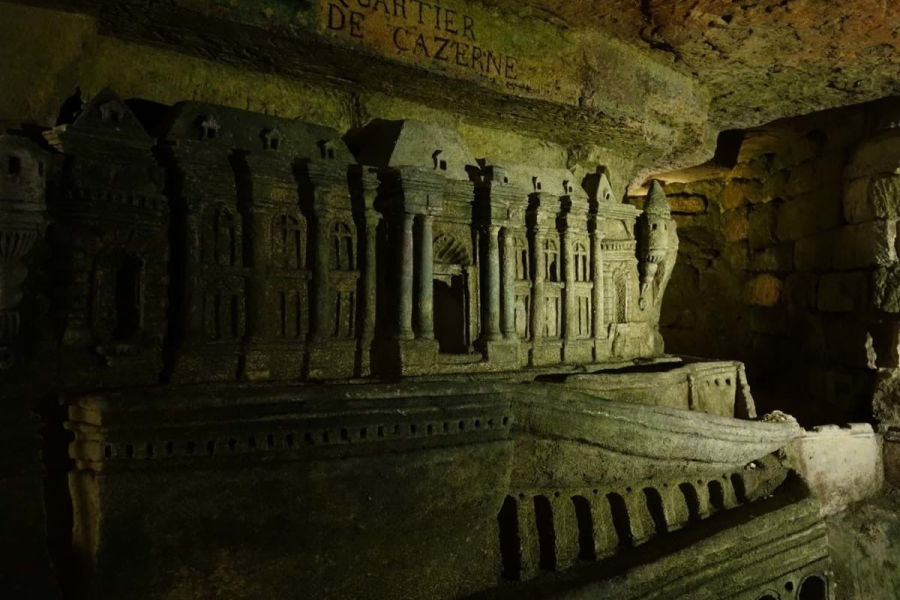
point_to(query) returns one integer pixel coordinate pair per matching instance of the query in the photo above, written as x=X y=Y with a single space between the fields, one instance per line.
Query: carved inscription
x=420 y=31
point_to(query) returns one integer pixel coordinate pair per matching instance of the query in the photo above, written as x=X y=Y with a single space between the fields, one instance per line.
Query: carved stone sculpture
x=111 y=247
x=532 y=455
x=23 y=168
x=24 y=368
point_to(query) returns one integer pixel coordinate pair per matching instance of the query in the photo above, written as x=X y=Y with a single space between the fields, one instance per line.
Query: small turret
x=656 y=235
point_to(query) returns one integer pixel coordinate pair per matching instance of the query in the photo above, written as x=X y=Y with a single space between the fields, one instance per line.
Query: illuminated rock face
x=289 y=365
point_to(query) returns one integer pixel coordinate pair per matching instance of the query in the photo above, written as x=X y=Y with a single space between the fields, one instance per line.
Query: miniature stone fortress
x=498 y=414
x=287 y=259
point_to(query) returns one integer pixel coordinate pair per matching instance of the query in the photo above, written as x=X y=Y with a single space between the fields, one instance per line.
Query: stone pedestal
x=405 y=357
x=578 y=351
x=500 y=353
x=332 y=359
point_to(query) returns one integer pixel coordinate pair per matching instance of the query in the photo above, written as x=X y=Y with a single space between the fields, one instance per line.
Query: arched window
x=543 y=515
x=342 y=257
x=691 y=501
x=128 y=299
x=621 y=520
x=586 y=547
x=288 y=242
x=222 y=237
x=510 y=542
x=581 y=261
x=716 y=496
x=813 y=588
x=656 y=509
x=551 y=260
x=523 y=266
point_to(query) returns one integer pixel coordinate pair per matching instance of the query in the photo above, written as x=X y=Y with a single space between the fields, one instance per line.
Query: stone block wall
x=789 y=262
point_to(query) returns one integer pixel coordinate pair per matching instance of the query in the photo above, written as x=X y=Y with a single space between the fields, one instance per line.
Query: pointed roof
x=107 y=114
x=657 y=205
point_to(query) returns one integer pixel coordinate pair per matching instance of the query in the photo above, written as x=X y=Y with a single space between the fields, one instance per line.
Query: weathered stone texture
x=808 y=214
x=869 y=198
x=866 y=245
x=843 y=292
x=806 y=240
x=764 y=290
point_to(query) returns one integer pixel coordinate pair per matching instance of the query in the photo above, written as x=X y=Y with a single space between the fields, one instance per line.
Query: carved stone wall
x=541 y=437
x=787 y=263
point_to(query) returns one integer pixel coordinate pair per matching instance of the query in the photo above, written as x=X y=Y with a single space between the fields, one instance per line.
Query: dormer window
x=209 y=128
x=327 y=149
x=439 y=163
x=111 y=113
x=14 y=165
x=271 y=139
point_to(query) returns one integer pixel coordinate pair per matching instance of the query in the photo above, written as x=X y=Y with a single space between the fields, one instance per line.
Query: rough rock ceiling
x=759 y=59
x=651 y=78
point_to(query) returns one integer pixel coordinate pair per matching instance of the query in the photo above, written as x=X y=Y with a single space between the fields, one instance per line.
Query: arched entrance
x=454 y=296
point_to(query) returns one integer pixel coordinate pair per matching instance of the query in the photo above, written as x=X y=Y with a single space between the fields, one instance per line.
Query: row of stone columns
x=414 y=255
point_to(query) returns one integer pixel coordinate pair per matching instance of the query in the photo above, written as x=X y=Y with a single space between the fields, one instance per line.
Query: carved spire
x=657 y=204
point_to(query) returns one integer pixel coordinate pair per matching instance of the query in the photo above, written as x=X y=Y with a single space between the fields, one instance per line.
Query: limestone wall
x=57 y=52
x=789 y=263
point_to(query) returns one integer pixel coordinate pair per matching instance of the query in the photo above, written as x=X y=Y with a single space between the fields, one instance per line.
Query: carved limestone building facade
x=275 y=346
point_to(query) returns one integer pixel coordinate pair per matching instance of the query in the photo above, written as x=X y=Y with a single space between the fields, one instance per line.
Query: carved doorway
x=450 y=314
x=455 y=294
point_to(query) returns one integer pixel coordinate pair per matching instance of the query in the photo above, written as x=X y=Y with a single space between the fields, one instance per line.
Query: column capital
x=373 y=217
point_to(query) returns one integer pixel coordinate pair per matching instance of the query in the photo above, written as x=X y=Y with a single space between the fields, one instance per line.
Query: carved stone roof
x=105 y=130
x=233 y=128
x=551 y=180
x=407 y=143
x=108 y=114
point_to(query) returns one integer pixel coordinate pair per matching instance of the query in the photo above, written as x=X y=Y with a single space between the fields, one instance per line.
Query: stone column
x=425 y=316
x=258 y=246
x=537 y=296
x=370 y=277
x=322 y=278
x=508 y=284
x=491 y=330
x=193 y=294
x=598 y=324
x=570 y=318
x=405 y=270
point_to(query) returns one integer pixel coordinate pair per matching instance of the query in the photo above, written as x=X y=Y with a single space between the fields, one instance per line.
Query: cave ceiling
x=760 y=60
x=656 y=80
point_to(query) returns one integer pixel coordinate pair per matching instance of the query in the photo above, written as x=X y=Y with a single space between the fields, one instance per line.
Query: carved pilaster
x=508 y=284
x=321 y=277
x=425 y=306
x=598 y=326
x=491 y=330
x=405 y=269
x=570 y=316
x=538 y=299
